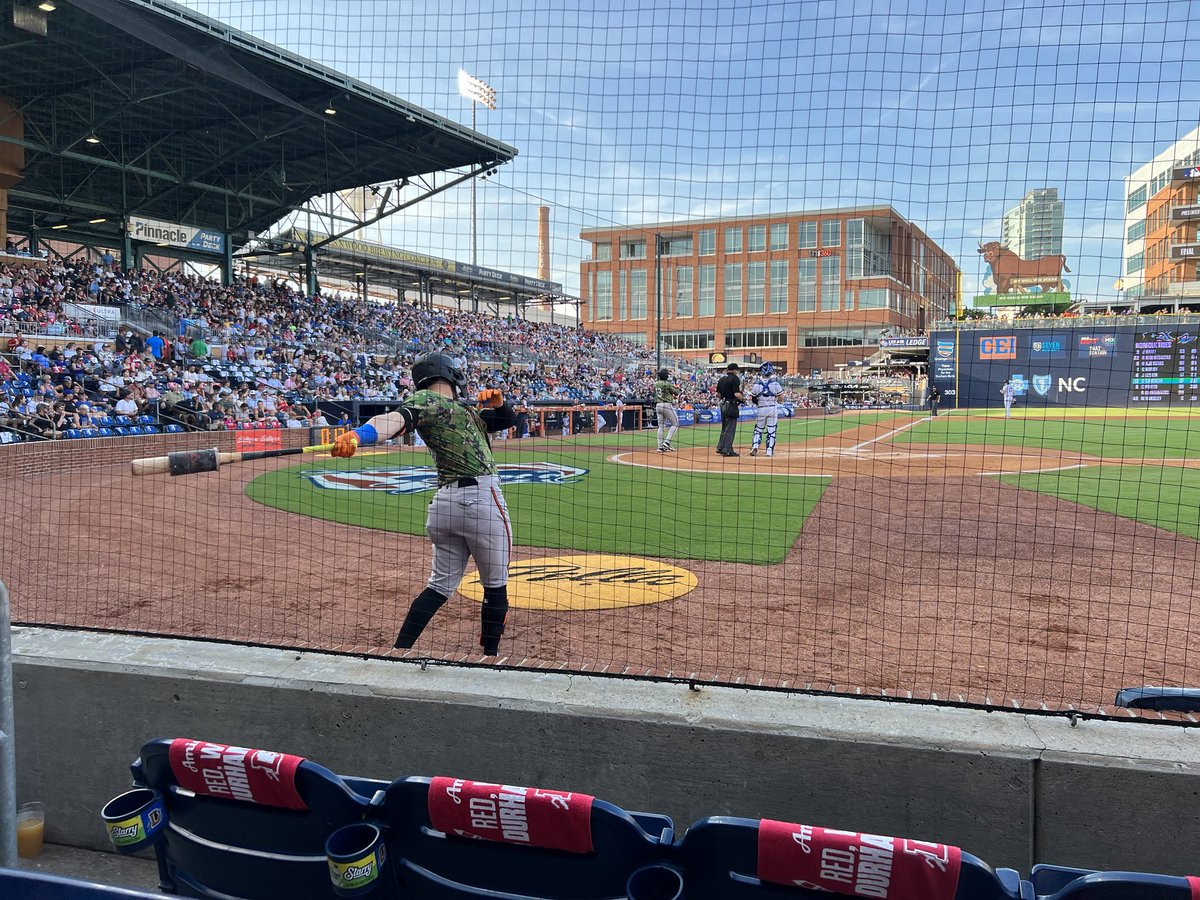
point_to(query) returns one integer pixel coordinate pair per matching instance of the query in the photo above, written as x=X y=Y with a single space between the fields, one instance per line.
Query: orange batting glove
x=491 y=398
x=345 y=445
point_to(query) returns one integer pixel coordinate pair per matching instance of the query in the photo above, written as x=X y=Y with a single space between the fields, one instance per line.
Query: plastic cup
x=31 y=829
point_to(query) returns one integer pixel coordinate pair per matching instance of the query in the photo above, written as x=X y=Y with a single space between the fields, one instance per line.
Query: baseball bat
x=189 y=462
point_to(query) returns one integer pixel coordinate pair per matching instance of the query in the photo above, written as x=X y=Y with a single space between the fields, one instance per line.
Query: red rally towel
x=553 y=820
x=1194 y=884
x=860 y=865
x=237 y=773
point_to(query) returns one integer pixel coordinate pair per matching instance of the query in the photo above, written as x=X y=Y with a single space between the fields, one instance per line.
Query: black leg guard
x=427 y=603
x=495 y=610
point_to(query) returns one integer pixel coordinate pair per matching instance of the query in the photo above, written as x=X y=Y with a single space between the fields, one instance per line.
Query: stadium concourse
x=259 y=353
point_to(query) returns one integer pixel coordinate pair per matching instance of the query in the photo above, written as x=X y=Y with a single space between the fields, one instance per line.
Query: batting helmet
x=766 y=368
x=664 y=374
x=432 y=366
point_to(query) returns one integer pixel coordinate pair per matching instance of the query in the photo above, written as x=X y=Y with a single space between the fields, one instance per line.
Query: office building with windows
x=806 y=290
x=1034 y=227
x=1161 y=214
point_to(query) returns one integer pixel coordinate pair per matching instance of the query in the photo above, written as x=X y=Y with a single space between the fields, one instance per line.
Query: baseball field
x=1050 y=557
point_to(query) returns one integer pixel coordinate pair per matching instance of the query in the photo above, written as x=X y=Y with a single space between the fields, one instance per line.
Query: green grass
x=1115 y=436
x=1166 y=497
x=613 y=508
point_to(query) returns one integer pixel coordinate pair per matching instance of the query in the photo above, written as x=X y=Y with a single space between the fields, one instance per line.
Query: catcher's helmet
x=664 y=374
x=433 y=366
x=766 y=369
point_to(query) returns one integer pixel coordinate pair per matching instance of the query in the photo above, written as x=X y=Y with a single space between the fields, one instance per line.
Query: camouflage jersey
x=455 y=434
x=665 y=392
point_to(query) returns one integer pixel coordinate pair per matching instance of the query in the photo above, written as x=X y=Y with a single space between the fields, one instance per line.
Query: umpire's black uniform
x=728 y=389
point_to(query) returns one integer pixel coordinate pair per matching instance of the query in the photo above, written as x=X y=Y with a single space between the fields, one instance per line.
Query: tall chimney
x=544 y=243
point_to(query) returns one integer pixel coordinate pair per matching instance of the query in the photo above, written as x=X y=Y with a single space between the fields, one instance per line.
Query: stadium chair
x=1084 y=884
x=433 y=864
x=107 y=422
x=121 y=430
x=101 y=432
x=719 y=858
x=124 y=420
x=24 y=884
x=174 y=429
x=216 y=847
x=151 y=429
x=71 y=433
x=145 y=420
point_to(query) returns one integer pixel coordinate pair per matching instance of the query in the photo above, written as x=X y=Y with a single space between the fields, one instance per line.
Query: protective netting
x=963 y=241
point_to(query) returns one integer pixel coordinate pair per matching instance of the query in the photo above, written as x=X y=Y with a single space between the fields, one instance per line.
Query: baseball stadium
x=400 y=405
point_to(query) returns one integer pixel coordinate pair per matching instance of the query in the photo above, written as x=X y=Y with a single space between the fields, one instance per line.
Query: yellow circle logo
x=589 y=581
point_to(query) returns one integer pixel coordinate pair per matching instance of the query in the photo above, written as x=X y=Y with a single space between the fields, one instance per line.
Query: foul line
x=619 y=459
x=1036 y=471
x=883 y=437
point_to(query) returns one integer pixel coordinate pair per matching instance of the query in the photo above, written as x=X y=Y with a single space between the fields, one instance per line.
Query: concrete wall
x=1014 y=789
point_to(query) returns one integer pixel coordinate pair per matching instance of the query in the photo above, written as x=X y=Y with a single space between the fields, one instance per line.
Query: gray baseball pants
x=466 y=522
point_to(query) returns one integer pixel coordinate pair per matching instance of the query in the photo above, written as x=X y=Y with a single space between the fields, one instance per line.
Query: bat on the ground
x=189 y=462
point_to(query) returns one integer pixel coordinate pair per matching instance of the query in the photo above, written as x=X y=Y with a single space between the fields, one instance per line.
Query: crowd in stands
x=259 y=353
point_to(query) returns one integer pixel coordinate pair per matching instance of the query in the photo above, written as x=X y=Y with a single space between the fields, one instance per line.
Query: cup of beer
x=31 y=829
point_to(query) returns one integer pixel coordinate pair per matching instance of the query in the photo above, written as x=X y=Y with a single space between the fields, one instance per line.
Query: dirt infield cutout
x=862 y=452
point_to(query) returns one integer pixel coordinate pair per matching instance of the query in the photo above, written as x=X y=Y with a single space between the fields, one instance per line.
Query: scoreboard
x=1166 y=367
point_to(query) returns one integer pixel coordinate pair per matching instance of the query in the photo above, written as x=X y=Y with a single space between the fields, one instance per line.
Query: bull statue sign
x=1023 y=282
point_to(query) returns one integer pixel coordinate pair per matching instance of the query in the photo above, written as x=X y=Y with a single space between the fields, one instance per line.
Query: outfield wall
x=1012 y=788
x=1121 y=365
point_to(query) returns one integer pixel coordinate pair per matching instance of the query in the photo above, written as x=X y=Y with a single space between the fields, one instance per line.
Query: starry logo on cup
x=417 y=479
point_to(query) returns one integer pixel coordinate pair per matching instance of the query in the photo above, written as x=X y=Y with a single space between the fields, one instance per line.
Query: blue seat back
x=524 y=864
x=720 y=858
x=1086 y=884
x=215 y=845
x=28 y=885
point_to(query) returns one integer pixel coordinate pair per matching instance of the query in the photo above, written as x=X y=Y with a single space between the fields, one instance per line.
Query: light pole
x=658 y=302
x=477 y=92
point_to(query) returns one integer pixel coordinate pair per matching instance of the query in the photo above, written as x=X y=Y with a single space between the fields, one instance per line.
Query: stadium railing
x=23 y=884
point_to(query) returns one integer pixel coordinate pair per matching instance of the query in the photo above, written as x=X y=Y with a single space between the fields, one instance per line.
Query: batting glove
x=345 y=445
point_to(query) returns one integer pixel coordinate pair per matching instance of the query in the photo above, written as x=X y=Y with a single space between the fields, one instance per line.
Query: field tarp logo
x=588 y=582
x=416 y=479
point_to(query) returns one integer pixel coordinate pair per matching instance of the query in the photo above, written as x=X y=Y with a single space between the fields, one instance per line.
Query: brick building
x=805 y=290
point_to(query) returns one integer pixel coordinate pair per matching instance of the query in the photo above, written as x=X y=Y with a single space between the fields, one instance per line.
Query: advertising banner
x=171 y=234
x=1111 y=366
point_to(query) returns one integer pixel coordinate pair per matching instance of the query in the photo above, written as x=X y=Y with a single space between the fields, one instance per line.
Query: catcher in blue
x=764 y=394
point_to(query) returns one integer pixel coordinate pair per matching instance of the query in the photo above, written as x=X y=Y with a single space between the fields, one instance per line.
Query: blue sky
x=630 y=112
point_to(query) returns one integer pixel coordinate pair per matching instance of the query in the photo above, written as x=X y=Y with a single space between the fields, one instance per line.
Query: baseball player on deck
x=668 y=418
x=764 y=393
x=467 y=516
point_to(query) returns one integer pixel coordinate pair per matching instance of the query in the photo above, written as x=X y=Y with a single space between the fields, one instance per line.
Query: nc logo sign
x=1072 y=385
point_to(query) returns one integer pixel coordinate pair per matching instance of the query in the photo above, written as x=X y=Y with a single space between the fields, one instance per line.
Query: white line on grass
x=1036 y=471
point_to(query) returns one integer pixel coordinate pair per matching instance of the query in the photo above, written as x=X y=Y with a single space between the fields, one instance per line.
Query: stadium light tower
x=477 y=92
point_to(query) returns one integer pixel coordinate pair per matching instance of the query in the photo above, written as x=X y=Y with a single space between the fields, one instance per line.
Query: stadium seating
x=275 y=836
x=432 y=861
x=24 y=884
x=1084 y=884
x=721 y=856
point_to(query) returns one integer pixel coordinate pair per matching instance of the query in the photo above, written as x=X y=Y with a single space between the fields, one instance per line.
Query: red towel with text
x=1194 y=884
x=860 y=865
x=553 y=820
x=237 y=773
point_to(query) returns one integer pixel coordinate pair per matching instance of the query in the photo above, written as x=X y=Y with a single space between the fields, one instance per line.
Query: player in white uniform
x=764 y=394
x=1008 y=392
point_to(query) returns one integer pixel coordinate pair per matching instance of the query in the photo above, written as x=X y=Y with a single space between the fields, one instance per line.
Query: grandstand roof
x=198 y=123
